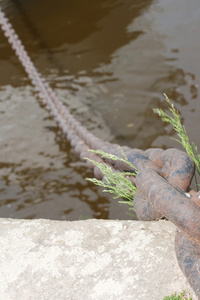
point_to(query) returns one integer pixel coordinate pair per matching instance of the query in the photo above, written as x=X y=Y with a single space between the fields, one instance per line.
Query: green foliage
x=115 y=182
x=181 y=296
x=175 y=121
x=118 y=183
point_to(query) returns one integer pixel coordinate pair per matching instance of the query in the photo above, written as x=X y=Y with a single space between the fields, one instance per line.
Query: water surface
x=109 y=62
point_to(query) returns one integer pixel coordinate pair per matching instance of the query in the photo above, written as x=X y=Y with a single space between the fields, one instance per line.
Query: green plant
x=183 y=138
x=175 y=296
x=115 y=182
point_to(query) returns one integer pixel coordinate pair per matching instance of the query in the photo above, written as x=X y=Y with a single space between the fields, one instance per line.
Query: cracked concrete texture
x=92 y=259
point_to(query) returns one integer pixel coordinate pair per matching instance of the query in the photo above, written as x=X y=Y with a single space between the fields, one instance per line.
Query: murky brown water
x=110 y=61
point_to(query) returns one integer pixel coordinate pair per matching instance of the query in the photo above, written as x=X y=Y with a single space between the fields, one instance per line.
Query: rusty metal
x=163 y=181
x=188 y=256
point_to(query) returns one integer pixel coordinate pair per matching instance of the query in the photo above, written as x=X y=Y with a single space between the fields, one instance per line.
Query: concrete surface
x=83 y=260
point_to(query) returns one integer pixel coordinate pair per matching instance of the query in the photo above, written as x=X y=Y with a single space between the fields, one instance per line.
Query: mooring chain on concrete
x=163 y=181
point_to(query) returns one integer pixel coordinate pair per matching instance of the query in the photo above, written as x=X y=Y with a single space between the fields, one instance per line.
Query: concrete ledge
x=93 y=259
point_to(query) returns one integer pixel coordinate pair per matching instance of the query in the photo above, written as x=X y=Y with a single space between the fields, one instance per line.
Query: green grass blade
x=183 y=138
x=114 y=182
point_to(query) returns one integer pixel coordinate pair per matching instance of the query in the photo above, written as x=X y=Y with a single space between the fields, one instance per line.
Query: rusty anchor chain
x=163 y=181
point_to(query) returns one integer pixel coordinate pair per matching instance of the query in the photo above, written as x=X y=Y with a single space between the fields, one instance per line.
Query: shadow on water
x=109 y=62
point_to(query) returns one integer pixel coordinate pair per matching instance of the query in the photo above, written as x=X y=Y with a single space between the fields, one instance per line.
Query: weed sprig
x=183 y=138
x=175 y=121
x=176 y=296
x=117 y=183
x=114 y=182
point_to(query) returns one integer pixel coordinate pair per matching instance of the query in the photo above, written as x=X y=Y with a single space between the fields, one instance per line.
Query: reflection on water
x=110 y=62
